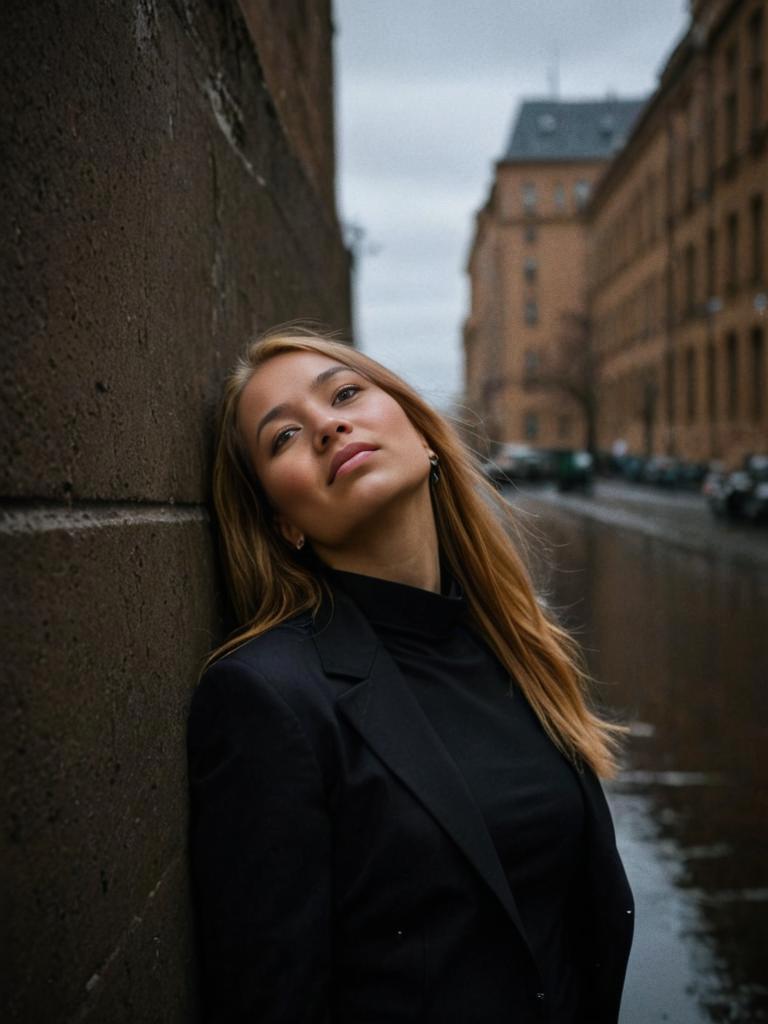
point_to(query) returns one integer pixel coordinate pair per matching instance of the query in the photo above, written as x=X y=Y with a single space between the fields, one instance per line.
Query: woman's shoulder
x=289 y=639
x=281 y=663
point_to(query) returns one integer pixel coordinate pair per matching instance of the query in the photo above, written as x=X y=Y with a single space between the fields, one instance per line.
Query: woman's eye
x=282 y=437
x=346 y=392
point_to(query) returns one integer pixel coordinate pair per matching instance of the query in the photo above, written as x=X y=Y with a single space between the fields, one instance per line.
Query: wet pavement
x=683 y=519
x=671 y=607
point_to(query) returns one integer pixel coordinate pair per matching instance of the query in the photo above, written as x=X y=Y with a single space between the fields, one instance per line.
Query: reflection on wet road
x=678 y=640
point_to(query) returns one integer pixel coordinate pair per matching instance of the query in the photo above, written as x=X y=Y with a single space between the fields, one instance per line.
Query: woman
x=395 y=809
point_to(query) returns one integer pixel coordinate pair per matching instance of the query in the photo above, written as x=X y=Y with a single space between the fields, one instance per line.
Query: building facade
x=677 y=251
x=527 y=267
x=667 y=263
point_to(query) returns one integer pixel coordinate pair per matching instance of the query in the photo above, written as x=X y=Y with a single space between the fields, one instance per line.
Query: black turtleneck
x=526 y=790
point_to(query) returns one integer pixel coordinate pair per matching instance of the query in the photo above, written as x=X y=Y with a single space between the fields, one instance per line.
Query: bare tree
x=650 y=397
x=571 y=369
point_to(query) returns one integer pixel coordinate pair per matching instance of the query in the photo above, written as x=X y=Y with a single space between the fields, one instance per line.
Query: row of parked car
x=741 y=494
x=568 y=467
x=735 y=494
x=661 y=470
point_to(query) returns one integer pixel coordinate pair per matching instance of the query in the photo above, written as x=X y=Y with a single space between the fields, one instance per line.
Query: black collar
x=391 y=606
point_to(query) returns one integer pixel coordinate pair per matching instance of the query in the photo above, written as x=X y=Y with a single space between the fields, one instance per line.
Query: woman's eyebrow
x=320 y=379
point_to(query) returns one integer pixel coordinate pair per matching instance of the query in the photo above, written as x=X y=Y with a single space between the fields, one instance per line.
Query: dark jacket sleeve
x=260 y=851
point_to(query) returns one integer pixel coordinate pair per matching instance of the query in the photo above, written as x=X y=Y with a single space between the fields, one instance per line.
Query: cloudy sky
x=426 y=92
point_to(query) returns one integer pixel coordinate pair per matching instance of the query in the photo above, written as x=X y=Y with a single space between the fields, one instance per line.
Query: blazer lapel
x=382 y=709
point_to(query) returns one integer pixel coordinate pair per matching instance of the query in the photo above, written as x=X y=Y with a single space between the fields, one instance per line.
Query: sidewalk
x=679 y=518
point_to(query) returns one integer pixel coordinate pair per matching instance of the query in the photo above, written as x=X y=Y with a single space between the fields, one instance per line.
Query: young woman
x=395 y=809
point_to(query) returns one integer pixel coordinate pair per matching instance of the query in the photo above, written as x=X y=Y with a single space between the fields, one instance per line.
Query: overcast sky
x=426 y=92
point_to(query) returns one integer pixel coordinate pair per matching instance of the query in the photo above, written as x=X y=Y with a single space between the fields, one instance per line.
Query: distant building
x=527 y=264
x=678 y=253
x=667 y=263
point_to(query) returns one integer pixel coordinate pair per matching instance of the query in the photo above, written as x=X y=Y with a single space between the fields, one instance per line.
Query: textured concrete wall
x=160 y=210
x=293 y=49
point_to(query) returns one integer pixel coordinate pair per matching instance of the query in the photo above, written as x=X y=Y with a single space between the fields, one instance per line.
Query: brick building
x=667 y=261
x=527 y=265
x=678 y=251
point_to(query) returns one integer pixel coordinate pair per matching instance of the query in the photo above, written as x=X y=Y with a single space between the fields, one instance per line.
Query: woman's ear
x=292 y=533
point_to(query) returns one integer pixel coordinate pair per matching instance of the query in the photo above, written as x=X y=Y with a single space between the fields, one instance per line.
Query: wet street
x=671 y=607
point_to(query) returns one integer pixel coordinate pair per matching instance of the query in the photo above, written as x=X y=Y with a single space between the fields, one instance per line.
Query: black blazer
x=342 y=872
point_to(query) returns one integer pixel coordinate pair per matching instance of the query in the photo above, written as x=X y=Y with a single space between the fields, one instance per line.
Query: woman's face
x=331 y=449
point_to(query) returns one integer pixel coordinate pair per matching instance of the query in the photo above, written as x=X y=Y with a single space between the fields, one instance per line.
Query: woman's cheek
x=295 y=482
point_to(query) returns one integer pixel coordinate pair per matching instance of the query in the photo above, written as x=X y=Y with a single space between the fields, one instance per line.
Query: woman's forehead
x=286 y=376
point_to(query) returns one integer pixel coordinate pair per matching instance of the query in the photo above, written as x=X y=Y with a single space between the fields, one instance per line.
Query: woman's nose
x=329 y=429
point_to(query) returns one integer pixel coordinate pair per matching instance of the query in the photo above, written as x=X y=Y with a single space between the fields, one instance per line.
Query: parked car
x=632 y=467
x=712 y=487
x=756 y=503
x=662 y=470
x=692 y=475
x=572 y=469
x=516 y=462
x=741 y=494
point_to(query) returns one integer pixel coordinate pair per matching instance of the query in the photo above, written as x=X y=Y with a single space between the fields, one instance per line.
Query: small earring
x=299 y=543
x=434 y=472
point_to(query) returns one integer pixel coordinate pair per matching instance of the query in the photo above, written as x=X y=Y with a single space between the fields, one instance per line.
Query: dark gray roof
x=571 y=129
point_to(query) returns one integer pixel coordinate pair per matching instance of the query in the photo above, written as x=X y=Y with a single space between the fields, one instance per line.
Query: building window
x=672 y=172
x=530 y=268
x=671 y=382
x=758 y=223
x=711 y=382
x=529 y=232
x=651 y=207
x=581 y=193
x=731 y=103
x=636 y=222
x=733 y=250
x=559 y=197
x=690 y=171
x=669 y=295
x=732 y=374
x=530 y=364
x=711 y=142
x=690 y=384
x=711 y=263
x=758 y=374
x=756 y=77
x=531 y=360
x=529 y=197
x=690 y=280
x=531 y=312
x=531 y=426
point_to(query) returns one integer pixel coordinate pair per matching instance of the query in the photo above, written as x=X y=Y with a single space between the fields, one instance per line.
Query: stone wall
x=167 y=192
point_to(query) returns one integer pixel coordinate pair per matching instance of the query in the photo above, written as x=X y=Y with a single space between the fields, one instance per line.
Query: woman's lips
x=350 y=464
x=348 y=458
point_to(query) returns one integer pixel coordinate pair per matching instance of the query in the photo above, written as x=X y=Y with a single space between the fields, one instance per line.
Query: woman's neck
x=400 y=548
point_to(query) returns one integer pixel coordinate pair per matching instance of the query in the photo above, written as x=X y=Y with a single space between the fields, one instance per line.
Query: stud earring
x=299 y=543
x=434 y=471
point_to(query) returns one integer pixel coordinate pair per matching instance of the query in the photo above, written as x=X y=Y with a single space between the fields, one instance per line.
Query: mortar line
x=34 y=517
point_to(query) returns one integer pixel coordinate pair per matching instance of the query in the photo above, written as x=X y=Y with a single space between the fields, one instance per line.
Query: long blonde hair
x=269 y=583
